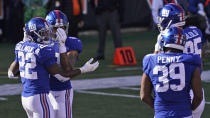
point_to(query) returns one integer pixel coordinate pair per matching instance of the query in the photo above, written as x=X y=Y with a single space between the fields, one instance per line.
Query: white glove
x=157 y=45
x=202 y=13
x=88 y=67
x=61 y=37
x=11 y=75
x=24 y=36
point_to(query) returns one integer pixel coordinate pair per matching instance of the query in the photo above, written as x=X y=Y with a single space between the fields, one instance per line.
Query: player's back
x=71 y=43
x=33 y=60
x=194 y=40
x=171 y=74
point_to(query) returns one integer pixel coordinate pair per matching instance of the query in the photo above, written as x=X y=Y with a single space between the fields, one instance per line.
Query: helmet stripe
x=179 y=38
x=180 y=8
x=42 y=19
x=167 y=2
x=182 y=12
x=58 y=16
x=207 y=2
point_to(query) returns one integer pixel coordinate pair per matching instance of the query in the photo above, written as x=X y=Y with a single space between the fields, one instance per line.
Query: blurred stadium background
x=114 y=102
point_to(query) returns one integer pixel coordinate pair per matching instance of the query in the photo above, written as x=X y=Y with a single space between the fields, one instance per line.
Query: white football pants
x=62 y=103
x=38 y=106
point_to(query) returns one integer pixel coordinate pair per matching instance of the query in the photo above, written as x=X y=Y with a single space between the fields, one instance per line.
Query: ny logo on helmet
x=32 y=27
x=165 y=13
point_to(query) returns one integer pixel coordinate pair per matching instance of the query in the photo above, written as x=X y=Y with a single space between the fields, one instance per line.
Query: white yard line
x=108 y=94
x=85 y=84
x=205 y=76
x=101 y=83
x=207 y=102
x=10 y=89
x=130 y=88
x=98 y=83
x=128 y=68
x=3 y=99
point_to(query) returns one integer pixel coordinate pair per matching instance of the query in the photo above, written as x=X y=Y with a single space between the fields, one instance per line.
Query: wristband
x=62 y=49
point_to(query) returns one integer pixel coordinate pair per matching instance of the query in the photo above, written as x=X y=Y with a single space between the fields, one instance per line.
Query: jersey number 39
x=168 y=73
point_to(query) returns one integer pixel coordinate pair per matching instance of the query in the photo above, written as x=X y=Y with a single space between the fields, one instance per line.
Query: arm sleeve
x=47 y=56
x=196 y=59
x=203 y=40
x=16 y=56
x=73 y=43
x=193 y=59
x=146 y=64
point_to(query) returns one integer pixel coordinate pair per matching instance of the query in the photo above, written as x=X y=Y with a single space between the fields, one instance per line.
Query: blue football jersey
x=194 y=40
x=71 y=44
x=171 y=74
x=33 y=60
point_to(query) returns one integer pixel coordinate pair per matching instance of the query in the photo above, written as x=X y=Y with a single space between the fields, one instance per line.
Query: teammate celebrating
x=36 y=60
x=172 y=15
x=61 y=94
x=171 y=75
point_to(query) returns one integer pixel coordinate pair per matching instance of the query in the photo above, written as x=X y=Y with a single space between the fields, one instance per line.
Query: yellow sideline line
x=3 y=73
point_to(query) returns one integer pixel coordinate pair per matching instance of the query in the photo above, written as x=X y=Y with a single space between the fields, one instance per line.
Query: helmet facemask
x=163 y=24
x=43 y=35
x=57 y=19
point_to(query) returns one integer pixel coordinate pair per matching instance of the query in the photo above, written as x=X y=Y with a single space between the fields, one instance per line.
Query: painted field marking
x=3 y=73
x=128 y=68
x=207 y=102
x=130 y=88
x=3 y=99
x=107 y=94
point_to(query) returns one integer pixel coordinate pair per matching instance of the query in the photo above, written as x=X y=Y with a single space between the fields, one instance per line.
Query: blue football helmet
x=38 y=30
x=57 y=19
x=171 y=15
x=173 y=37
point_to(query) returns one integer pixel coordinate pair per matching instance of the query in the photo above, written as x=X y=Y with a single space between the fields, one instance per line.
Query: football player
x=171 y=75
x=172 y=15
x=61 y=93
x=35 y=59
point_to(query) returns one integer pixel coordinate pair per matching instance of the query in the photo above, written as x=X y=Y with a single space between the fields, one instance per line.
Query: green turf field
x=97 y=106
